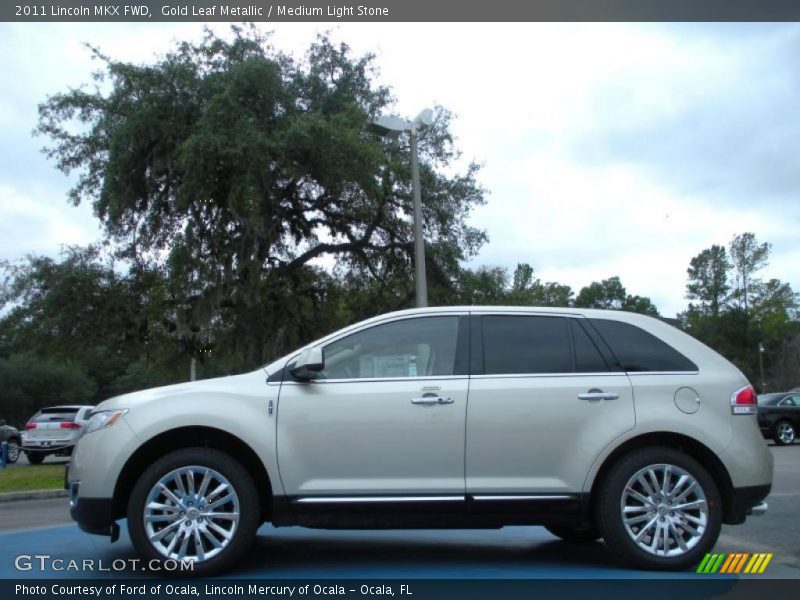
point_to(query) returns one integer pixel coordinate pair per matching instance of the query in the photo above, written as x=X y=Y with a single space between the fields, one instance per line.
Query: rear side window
x=521 y=344
x=638 y=350
x=55 y=415
x=587 y=357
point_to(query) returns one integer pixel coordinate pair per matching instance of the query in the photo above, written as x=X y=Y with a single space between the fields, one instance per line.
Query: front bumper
x=93 y=515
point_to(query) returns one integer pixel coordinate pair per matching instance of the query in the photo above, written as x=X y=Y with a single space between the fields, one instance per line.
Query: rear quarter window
x=640 y=351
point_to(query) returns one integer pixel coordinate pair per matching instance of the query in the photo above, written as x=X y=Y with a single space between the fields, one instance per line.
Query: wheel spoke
x=646 y=486
x=643 y=532
x=168 y=493
x=184 y=544
x=204 y=484
x=220 y=530
x=224 y=500
x=654 y=481
x=643 y=499
x=678 y=537
x=210 y=537
x=678 y=485
x=179 y=489
x=637 y=520
x=226 y=516
x=163 y=532
x=198 y=545
x=160 y=506
x=667 y=477
x=694 y=504
x=161 y=518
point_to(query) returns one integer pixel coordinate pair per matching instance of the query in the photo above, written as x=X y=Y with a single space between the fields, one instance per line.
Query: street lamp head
x=390 y=125
x=424 y=119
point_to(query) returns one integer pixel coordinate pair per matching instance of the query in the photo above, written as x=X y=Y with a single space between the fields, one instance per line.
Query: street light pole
x=391 y=125
x=419 y=239
x=761 y=366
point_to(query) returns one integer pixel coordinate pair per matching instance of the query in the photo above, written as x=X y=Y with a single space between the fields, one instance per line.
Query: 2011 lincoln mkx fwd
x=591 y=423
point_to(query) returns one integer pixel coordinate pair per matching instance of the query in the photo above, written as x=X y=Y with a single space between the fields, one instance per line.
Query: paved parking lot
x=512 y=552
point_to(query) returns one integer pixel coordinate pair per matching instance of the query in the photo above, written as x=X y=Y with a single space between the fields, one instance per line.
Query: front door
x=385 y=419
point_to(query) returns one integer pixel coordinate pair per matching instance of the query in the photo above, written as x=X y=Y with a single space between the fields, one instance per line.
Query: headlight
x=103 y=419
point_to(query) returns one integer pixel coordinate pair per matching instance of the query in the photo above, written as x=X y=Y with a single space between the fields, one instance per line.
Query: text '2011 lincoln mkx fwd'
x=595 y=424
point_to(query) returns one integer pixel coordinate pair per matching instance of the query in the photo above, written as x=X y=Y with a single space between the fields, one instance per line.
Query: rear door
x=543 y=403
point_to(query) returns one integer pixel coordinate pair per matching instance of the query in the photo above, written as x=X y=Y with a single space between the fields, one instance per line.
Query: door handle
x=598 y=395
x=430 y=400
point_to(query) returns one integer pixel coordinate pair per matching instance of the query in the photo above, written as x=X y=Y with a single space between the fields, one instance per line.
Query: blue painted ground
x=297 y=553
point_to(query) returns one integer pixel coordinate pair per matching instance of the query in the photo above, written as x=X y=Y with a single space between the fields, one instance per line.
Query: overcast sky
x=609 y=149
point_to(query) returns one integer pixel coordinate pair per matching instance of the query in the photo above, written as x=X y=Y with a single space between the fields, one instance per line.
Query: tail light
x=70 y=425
x=30 y=425
x=743 y=401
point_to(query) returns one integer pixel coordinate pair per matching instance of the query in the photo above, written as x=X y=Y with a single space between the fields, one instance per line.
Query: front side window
x=419 y=347
x=637 y=350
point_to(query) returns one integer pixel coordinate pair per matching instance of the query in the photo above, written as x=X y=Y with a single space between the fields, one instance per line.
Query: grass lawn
x=31 y=477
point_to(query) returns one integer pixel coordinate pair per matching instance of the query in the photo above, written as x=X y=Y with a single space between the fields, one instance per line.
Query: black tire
x=238 y=478
x=13 y=450
x=576 y=535
x=613 y=493
x=35 y=458
x=784 y=433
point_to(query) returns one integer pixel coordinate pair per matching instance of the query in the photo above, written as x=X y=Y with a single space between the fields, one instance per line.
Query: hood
x=218 y=384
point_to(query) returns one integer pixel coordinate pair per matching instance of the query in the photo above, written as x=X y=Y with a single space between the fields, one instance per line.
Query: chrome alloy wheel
x=786 y=433
x=191 y=513
x=664 y=510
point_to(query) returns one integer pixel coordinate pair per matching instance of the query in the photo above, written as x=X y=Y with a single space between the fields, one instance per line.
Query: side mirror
x=307 y=364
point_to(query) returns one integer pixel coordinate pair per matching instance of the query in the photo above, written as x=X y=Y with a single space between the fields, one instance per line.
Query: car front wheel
x=784 y=433
x=196 y=504
x=659 y=509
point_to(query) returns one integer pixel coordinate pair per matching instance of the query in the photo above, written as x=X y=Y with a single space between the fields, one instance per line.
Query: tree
x=708 y=279
x=232 y=167
x=607 y=294
x=747 y=258
x=610 y=294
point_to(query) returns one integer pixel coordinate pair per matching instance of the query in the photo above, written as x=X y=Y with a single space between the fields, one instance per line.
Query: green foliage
x=738 y=322
x=29 y=382
x=610 y=294
x=708 y=279
x=230 y=167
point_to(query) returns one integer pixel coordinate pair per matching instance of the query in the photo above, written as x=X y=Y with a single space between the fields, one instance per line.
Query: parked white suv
x=54 y=430
x=592 y=423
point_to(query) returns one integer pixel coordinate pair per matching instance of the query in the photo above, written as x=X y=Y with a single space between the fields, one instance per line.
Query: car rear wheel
x=195 y=504
x=35 y=458
x=578 y=535
x=784 y=433
x=13 y=451
x=659 y=509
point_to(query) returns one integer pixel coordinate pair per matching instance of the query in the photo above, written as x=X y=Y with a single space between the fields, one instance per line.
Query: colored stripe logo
x=735 y=563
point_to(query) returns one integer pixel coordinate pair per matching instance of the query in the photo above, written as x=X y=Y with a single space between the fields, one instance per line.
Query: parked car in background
x=592 y=423
x=779 y=416
x=54 y=430
x=12 y=436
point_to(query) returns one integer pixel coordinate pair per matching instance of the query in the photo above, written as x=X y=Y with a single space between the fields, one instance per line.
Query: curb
x=32 y=495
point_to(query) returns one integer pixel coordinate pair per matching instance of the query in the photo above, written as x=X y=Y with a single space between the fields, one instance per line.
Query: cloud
x=610 y=149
